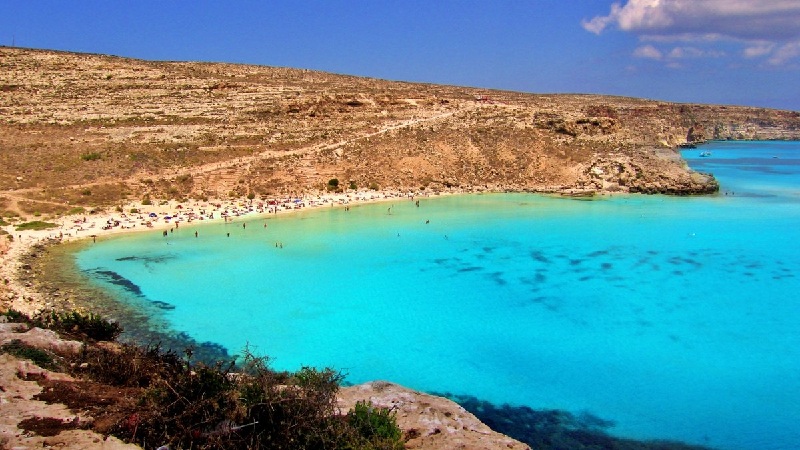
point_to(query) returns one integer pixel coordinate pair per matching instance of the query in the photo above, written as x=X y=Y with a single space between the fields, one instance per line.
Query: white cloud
x=769 y=29
x=685 y=52
x=693 y=52
x=758 y=49
x=734 y=19
x=784 y=54
x=647 y=51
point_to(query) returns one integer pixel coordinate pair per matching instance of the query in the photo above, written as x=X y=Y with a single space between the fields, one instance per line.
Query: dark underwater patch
x=497 y=277
x=549 y=429
x=163 y=305
x=147 y=259
x=539 y=257
x=470 y=269
x=116 y=279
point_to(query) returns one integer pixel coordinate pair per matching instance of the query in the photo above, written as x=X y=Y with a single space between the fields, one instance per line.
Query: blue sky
x=744 y=52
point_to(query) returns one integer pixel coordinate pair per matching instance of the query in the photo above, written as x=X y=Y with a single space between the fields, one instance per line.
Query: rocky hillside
x=82 y=129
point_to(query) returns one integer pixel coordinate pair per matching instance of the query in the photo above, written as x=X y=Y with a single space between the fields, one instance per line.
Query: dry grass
x=88 y=129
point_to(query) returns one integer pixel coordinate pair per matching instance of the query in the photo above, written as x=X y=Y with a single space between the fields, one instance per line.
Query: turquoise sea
x=671 y=317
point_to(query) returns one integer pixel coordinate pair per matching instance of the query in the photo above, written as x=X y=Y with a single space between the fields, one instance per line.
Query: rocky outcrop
x=658 y=173
x=428 y=422
x=21 y=384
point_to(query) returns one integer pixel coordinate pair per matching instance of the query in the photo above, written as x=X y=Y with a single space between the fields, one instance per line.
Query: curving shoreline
x=23 y=296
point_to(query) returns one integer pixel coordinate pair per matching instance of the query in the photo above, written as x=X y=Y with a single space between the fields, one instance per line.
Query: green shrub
x=41 y=358
x=16 y=316
x=93 y=156
x=147 y=201
x=353 y=185
x=76 y=210
x=90 y=326
x=377 y=427
x=36 y=225
x=333 y=183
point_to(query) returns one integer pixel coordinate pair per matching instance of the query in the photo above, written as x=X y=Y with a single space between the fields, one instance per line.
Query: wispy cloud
x=648 y=51
x=766 y=29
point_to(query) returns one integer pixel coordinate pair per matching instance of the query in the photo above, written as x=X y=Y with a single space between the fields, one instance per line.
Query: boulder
x=428 y=421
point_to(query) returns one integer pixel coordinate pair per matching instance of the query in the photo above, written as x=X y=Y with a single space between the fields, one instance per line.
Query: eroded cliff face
x=90 y=130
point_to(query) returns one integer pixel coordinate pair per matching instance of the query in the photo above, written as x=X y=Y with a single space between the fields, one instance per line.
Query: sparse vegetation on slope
x=94 y=130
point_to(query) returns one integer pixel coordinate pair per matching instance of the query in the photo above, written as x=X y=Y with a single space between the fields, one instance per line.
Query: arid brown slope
x=81 y=129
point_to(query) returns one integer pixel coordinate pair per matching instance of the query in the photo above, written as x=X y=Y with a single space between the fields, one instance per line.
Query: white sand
x=158 y=216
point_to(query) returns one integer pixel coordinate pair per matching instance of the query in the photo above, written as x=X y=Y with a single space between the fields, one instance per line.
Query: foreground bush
x=79 y=325
x=199 y=406
x=172 y=401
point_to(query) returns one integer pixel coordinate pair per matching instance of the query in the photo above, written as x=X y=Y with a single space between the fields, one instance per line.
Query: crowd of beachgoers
x=154 y=215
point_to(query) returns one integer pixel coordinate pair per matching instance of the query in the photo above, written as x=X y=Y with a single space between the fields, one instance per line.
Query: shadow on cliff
x=555 y=429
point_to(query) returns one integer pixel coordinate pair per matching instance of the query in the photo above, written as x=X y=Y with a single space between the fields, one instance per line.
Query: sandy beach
x=159 y=216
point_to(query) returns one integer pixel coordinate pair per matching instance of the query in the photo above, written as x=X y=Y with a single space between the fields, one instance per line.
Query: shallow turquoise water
x=673 y=317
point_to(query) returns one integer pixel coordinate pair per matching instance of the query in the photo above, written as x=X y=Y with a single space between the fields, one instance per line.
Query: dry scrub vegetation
x=93 y=130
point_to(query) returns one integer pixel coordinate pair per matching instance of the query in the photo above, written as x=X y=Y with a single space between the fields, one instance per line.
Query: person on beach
x=195 y=234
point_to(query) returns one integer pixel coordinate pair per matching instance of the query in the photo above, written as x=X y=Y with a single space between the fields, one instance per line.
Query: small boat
x=705 y=154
